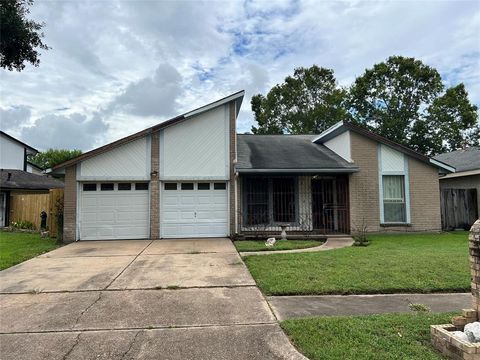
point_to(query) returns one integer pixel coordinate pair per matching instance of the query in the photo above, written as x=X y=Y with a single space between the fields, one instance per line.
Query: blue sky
x=116 y=67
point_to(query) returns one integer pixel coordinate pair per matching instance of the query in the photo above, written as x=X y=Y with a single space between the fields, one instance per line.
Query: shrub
x=23 y=224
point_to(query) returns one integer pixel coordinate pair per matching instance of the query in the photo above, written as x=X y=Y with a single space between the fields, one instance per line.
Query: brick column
x=233 y=158
x=474 y=245
x=155 y=188
x=70 y=205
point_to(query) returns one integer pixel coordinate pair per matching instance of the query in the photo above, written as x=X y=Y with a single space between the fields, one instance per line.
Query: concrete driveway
x=162 y=299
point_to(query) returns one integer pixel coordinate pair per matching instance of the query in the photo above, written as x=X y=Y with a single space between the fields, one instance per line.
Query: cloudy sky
x=117 y=67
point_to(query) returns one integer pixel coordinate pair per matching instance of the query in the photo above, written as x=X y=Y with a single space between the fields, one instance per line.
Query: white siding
x=341 y=145
x=196 y=148
x=127 y=162
x=12 y=154
x=392 y=160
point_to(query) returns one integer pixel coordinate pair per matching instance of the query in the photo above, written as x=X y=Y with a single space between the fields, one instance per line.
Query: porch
x=311 y=205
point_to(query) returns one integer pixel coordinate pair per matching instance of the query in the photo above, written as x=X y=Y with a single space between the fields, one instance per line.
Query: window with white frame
x=394 y=205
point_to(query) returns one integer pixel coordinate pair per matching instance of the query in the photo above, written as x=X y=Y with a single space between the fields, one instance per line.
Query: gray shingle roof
x=462 y=160
x=19 y=179
x=287 y=152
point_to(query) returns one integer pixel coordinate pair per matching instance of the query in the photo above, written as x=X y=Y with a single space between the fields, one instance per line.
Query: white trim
x=380 y=183
x=313 y=171
x=328 y=131
x=406 y=186
x=442 y=165
x=215 y=104
x=461 y=174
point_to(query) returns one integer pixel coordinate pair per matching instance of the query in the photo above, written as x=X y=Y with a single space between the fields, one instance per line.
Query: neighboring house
x=18 y=176
x=193 y=176
x=460 y=191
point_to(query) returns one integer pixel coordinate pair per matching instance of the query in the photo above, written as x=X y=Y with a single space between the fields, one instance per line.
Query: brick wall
x=155 y=187
x=233 y=159
x=70 y=205
x=363 y=185
x=364 y=191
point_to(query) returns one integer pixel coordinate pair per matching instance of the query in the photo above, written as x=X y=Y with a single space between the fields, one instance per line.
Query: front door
x=330 y=205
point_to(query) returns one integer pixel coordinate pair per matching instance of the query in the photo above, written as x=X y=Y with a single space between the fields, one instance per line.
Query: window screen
x=106 y=186
x=394 y=199
x=89 y=187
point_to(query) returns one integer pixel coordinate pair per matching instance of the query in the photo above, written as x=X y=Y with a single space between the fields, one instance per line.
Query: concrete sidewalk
x=288 y=307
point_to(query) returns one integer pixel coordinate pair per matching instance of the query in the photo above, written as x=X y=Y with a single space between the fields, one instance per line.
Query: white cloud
x=124 y=65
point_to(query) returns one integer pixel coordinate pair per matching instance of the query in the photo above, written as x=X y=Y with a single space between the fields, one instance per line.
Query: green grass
x=412 y=263
x=16 y=247
x=247 y=245
x=379 y=337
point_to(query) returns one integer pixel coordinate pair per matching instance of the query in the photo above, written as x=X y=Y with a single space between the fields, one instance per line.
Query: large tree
x=52 y=157
x=308 y=102
x=404 y=100
x=20 y=38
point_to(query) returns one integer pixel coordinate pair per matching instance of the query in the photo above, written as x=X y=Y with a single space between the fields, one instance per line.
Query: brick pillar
x=233 y=159
x=155 y=188
x=70 y=205
x=474 y=245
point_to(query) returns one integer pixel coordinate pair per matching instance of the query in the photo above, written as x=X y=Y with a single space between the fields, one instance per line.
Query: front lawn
x=411 y=263
x=247 y=245
x=381 y=337
x=16 y=247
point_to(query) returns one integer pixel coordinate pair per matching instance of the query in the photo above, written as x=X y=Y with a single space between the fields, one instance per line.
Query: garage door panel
x=193 y=213
x=114 y=214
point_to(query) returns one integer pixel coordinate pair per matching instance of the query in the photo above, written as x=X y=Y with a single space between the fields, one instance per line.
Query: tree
x=20 y=37
x=307 y=102
x=52 y=157
x=402 y=99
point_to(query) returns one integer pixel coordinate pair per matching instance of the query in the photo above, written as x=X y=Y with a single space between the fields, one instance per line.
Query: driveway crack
x=131 y=344
x=87 y=308
x=77 y=340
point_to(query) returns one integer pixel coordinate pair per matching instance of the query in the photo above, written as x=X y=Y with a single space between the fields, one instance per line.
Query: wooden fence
x=28 y=206
x=459 y=208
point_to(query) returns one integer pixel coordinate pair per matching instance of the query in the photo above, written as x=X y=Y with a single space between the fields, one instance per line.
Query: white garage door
x=112 y=211
x=191 y=209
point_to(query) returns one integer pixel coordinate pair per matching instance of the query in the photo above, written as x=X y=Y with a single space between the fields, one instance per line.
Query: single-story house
x=194 y=176
x=20 y=177
x=460 y=191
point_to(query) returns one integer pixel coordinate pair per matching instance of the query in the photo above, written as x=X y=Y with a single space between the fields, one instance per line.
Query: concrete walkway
x=330 y=244
x=288 y=307
x=163 y=299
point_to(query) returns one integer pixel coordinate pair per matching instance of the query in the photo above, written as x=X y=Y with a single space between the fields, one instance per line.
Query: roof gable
x=343 y=126
x=32 y=149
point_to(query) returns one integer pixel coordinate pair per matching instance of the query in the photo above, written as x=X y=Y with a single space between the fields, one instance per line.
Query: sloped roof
x=462 y=160
x=237 y=97
x=287 y=153
x=18 y=179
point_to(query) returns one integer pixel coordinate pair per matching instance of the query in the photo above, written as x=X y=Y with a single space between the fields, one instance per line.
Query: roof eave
x=298 y=171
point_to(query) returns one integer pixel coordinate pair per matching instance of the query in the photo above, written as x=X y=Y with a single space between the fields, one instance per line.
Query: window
x=187 y=186
x=124 y=186
x=219 y=186
x=106 y=186
x=89 y=187
x=283 y=199
x=203 y=186
x=141 y=186
x=394 y=209
x=269 y=200
x=170 y=186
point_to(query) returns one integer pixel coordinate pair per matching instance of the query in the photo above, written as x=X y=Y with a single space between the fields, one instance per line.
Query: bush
x=23 y=224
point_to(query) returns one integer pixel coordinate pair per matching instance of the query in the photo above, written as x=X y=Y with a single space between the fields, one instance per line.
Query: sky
x=117 y=67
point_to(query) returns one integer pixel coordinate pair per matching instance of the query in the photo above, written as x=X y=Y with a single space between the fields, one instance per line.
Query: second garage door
x=194 y=209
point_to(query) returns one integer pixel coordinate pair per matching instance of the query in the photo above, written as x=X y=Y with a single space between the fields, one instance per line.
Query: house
x=193 y=176
x=460 y=191
x=18 y=176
